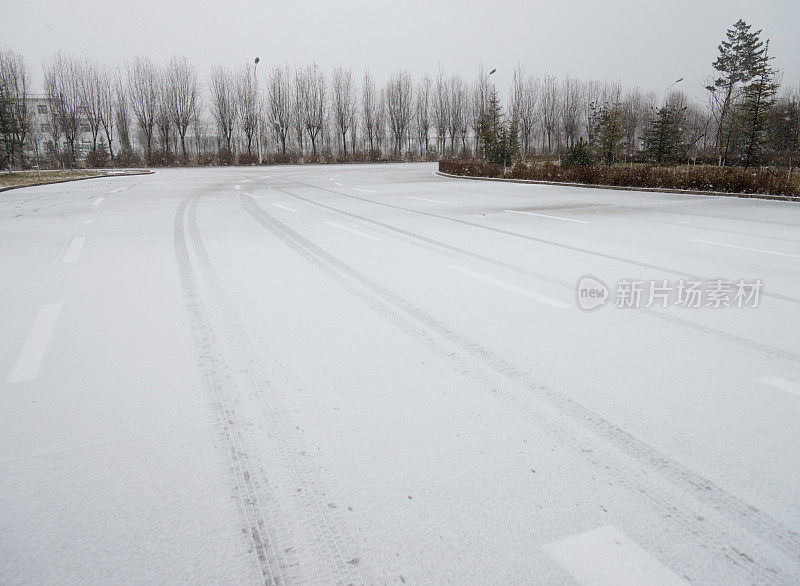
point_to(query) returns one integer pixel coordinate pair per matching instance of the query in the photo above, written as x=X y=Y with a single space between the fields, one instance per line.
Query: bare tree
x=143 y=88
x=314 y=98
x=163 y=110
x=122 y=114
x=354 y=125
x=633 y=118
x=399 y=103
x=15 y=118
x=298 y=96
x=525 y=100
x=441 y=112
x=108 y=107
x=247 y=106
x=200 y=130
x=224 y=103
x=476 y=110
x=90 y=86
x=571 y=110
x=343 y=102
x=280 y=104
x=457 y=109
x=549 y=111
x=183 y=96
x=369 y=107
x=63 y=88
x=422 y=114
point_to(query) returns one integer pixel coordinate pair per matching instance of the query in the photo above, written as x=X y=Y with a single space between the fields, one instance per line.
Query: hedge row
x=701 y=178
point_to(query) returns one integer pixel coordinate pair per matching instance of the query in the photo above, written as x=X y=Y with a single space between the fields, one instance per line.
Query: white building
x=41 y=136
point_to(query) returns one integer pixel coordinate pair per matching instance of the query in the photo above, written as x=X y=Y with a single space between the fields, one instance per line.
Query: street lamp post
x=670 y=86
x=258 y=114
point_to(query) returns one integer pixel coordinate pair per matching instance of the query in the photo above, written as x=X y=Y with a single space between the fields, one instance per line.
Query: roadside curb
x=38 y=183
x=626 y=188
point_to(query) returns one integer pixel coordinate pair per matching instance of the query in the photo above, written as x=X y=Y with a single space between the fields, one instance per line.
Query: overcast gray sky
x=645 y=43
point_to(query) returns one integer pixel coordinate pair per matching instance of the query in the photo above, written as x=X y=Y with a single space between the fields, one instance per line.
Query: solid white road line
x=353 y=231
x=431 y=200
x=548 y=216
x=30 y=357
x=782 y=384
x=74 y=249
x=606 y=556
x=283 y=207
x=509 y=287
x=736 y=246
x=97 y=202
x=364 y=190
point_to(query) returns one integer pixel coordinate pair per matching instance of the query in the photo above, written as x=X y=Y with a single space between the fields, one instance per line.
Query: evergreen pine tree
x=759 y=97
x=662 y=137
x=739 y=55
x=499 y=140
x=609 y=134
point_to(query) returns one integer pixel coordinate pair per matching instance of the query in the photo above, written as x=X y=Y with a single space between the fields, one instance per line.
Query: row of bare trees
x=156 y=109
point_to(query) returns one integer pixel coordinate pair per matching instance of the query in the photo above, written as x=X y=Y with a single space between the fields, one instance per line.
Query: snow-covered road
x=373 y=374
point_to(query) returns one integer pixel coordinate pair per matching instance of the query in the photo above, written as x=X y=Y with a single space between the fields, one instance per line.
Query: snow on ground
x=373 y=374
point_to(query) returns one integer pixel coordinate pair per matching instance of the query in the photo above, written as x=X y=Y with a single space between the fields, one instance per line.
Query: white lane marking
x=736 y=246
x=353 y=231
x=425 y=199
x=97 y=202
x=283 y=207
x=247 y=181
x=509 y=287
x=782 y=384
x=606 y=556
x=115 y=191
x=548 y=216
x=74 y=249
x=365 y=190
x=337 y=183
x=30 y=357
x=89 y=221
x=237 y=186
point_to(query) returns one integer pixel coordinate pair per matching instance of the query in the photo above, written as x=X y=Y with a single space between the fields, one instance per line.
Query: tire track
x=537 y=239
x=426 y=329
x=336 y=561
x=434 y=244
x=250 y=500
x=708 y=492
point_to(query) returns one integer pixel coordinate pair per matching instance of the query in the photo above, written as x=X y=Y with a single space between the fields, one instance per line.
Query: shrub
x=162 y=159
x=98 y=158
x=248 y=159
x=225 y=157
x=279 y=159
x=126 y=158
x=578 y=154
x=207 y=159
x=701 y=178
